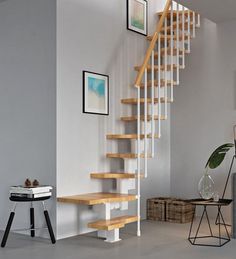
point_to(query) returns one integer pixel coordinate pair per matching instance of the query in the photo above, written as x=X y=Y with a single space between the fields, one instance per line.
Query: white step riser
x=124 y=185
x=104 y=211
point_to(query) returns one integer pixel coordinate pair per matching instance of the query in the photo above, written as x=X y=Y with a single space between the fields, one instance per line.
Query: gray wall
x=92 y=35
x=203 y=113
x=27 y=100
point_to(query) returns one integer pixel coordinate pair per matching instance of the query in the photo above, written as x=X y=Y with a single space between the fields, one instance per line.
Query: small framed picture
x=95 y=93
x=137 y=16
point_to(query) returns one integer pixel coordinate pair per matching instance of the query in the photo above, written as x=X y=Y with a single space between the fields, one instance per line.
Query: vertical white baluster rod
x=194 y=24
x=183 y=32
x=198 y=20
x=177 y=35
x=138 y=164
x=152 y=109
x=166 y=78
x=159 y=85
x=189 y=32
x=145 y=123
x=172 y=57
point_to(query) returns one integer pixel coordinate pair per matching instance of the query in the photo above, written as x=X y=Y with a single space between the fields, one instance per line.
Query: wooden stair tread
x=126 y=155
x=149 y=38
x=97 y=198
x=149 y=100
x=118 y=222
x=168 y=50
x=113 y=175
x=175 y=26
x=175 y=14
x=149 y=83
x=129 y=136
x=134 y=118
x=156 y=67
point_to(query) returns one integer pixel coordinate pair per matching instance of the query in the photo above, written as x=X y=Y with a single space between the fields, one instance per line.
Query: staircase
x=155 y=82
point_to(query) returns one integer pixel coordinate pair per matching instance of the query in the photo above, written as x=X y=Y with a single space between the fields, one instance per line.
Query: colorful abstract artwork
x=137 y=16
x=95 y=93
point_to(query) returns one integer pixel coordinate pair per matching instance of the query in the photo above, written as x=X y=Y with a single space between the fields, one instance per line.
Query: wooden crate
x=179 y=211
x=156 y=208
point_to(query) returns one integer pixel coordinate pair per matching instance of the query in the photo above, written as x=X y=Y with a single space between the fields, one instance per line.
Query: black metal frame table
x=221 y=223
x=32 y=218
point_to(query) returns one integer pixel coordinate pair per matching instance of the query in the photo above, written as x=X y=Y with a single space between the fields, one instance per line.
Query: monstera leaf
x=218 y=156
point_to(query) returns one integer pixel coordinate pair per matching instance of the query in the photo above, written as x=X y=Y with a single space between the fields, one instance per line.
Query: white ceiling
x=215 y=10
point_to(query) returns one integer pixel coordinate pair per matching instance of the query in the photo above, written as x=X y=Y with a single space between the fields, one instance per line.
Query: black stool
x=32 y=223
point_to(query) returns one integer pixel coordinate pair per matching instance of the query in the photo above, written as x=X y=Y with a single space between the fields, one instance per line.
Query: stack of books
x=30 y=192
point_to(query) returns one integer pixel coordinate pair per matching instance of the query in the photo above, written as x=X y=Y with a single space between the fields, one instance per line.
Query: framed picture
x=95 y=93
x=137 y=16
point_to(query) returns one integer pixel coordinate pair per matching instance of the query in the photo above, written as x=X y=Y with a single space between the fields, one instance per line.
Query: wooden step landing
x=113 y=175
x=149 y=100
x=118 y=222
x=129 y=136
x=149 y=83
x=149 y=38
x=175 y=26
x=134 y=118
x=97 y=198
x=156 y=67
x=126 y=155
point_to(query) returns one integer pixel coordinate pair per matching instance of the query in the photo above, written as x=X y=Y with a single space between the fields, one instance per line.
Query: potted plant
x=206 y=184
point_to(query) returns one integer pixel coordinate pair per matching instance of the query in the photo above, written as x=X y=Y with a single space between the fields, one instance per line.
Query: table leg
x=209 y=225
x=219 y=225
x=225 y=225
x=191 y=226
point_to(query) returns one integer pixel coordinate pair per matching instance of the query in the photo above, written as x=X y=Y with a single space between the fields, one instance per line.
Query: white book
x=44 y=194
x=30 y=190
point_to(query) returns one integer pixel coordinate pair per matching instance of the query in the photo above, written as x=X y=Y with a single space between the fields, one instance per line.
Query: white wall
x=27 y=102
x=203 y=113
x=92 y=35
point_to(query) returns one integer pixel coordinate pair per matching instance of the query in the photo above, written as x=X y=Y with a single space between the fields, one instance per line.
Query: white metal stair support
x=104 y=211
x=124 y=185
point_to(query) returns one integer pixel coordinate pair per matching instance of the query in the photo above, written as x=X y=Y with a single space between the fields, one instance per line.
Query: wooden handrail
x=152 y=44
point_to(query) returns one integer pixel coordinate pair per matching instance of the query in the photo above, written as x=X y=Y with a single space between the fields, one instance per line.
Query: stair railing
x=157 y=96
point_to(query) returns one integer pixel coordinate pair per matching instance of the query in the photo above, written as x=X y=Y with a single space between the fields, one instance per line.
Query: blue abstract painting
x=96 y=93
x=97 y=86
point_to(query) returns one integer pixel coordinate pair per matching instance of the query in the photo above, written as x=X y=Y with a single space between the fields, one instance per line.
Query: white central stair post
x=110 y=236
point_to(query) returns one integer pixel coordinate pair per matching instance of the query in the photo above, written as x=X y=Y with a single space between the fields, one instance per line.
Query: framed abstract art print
x=137 y=16
x=95 y=93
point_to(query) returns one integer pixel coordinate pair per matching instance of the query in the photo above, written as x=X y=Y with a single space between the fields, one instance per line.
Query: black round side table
x=220 y=222
x=32 y=228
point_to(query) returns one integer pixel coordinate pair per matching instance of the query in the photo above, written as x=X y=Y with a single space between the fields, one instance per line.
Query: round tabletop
x=202 y=202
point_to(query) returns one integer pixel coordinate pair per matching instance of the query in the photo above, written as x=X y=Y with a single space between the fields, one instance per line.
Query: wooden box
x=179 y=211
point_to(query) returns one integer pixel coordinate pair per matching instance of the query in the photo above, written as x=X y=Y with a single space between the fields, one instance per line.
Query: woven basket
x=179 y=211
x=156 y=208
